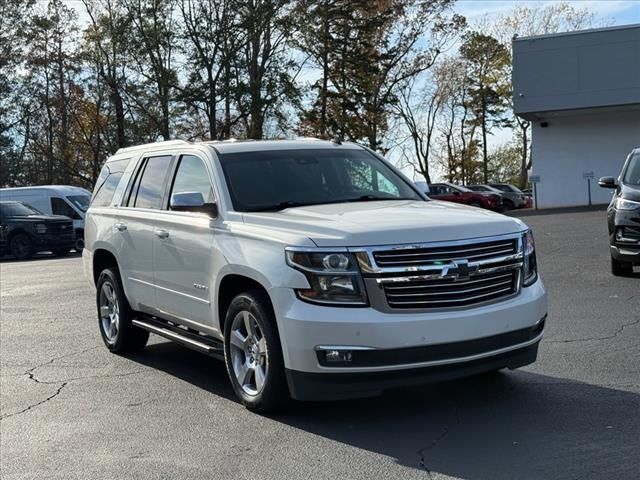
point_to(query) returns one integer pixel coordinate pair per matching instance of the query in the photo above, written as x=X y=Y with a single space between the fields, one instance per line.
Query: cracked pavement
x=71 y=410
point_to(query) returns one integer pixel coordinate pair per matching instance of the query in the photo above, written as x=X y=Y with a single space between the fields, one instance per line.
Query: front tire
x=115 y=315
x=621 y=269
x=21 y=246
x=253 y=353
x=476 y=204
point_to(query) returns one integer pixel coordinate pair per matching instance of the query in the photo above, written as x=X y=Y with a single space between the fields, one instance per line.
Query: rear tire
x=253 y=353
x=21 y=246
x=507 y=205
x=115 y=315
x=621 y=269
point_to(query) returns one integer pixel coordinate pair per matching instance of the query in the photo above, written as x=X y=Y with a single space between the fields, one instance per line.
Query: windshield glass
x=274 y=180
x=632 y=175
x=80 y=201
x=18 y=209
x=462 y=189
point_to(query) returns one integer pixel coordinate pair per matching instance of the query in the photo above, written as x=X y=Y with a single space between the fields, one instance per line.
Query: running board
x=201 y=343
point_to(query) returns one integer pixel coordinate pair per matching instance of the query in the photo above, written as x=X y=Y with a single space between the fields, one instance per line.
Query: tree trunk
x=525 y=148
x=485 y=157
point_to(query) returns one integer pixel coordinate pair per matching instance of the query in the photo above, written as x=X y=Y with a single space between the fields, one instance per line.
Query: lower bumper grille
x=451 y=293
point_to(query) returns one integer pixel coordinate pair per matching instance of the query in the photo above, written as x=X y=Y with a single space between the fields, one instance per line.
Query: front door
x=183 y=252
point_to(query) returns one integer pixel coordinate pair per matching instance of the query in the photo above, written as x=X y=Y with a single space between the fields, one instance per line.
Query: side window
x=191 y=176
x=60 y=207
x=151 y=185
x=364 y=176
x=108 y=182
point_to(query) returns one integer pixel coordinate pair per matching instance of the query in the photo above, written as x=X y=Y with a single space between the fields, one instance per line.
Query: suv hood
x=386 y=222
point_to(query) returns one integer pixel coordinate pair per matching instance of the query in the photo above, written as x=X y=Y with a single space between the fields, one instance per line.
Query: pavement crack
x=597 y=339
x=422 y=452
x=34 y=405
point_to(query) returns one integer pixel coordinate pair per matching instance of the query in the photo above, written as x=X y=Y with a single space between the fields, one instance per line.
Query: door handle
x=161 y=233
x=121 y=227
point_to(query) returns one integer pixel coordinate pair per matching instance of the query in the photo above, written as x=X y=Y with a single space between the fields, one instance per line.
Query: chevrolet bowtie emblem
x=460 y=270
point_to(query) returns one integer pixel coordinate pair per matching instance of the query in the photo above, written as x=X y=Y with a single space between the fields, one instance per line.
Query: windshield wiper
x=374 y=198
x=282 y=206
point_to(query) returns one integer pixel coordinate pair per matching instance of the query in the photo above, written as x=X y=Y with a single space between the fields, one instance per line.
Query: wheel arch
x=233 y=283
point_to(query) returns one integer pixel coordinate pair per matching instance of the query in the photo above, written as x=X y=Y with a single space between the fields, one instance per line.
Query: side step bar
x=201 y=343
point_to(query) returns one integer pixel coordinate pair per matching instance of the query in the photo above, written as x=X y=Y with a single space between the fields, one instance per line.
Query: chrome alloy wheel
x=109 y=312
x=248 y=353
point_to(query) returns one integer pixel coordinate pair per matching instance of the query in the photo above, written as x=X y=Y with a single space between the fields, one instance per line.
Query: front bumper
x=304 y=328
x=46 y=241
x=340 y=386
x=628 y=223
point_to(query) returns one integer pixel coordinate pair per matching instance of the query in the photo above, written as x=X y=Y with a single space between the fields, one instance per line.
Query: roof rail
x=167 y=143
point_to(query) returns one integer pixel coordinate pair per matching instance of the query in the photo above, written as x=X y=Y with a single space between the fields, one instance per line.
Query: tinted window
x=17 y=209
x=192 y=176
x=632 y=175
x=80 y=201
x=277 y=179
x=60 y=207
x=108 y=181
x=151 y=185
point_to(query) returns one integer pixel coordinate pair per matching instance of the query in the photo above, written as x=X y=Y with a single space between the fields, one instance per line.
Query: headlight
x=334 y=277
x=530 y=269
x=40 y=228
x=622 y=204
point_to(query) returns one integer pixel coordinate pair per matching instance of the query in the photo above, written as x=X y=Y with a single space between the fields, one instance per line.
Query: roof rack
x=167 y=143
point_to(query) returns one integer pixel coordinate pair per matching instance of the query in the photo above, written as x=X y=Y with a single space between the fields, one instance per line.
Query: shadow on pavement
x=39 y=256
x=507 y=425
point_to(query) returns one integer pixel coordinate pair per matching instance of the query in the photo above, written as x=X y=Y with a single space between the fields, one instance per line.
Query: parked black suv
x=25 y=231
x=624 y=216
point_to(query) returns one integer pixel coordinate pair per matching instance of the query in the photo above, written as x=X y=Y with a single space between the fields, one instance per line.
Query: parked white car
x=64 y=200
x=314 y=269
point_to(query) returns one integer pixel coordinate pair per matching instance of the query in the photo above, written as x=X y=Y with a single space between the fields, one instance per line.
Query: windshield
x=632 y=175
x=80 y=201
x=274 y=180
x=18 y=209
x=462 y=189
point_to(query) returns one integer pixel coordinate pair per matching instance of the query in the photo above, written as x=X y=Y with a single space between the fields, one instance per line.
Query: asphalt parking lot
x=69 y=409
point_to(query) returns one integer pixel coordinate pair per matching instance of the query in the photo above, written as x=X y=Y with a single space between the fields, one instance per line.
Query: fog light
x=338 y=356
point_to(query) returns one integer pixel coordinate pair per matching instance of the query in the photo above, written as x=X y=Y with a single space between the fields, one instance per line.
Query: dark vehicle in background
x=456 y=193
x=513 y=197
x=623 y=216
x=25 y=231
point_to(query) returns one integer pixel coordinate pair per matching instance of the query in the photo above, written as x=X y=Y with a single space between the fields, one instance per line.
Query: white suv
x=315 y=269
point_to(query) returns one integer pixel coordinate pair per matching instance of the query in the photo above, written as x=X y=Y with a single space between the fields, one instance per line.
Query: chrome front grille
x=413 y=256
x=443 y=275
x=451 y=293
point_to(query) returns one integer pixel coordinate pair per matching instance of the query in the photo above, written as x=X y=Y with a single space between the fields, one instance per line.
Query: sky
x=620 y=12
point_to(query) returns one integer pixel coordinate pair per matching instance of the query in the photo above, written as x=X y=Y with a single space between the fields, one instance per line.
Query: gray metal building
x=581 y=90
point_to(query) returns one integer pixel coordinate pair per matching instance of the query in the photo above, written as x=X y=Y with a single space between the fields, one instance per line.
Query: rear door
x=135 y=225
x=183 y=253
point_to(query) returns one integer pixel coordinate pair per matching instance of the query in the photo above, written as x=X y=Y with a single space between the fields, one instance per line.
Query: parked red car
x=459 y=194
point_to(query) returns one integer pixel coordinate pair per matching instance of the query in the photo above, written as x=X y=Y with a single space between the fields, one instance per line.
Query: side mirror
x=192 y=202
x=608 y=182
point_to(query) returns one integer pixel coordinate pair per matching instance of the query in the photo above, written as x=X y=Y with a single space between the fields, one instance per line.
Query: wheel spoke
x=262 y=346
x=105 y=311
x=113 y=328
x=259 y=372
x=245 y=373
x=237 y=340
x=248 y=324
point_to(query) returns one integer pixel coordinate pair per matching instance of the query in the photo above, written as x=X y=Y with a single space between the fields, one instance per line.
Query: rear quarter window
x=108 y=182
